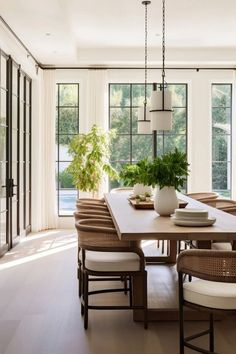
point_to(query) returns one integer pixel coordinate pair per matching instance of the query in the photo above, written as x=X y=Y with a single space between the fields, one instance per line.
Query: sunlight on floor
x=39 y=245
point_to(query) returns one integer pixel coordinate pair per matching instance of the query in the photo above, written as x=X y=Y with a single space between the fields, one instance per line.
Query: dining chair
x=214 y=290
x=122 y=190
x=89 y=214
x=81 y=205
x=91 y=200
x=103 y=254
x=201 y=196
x=221 y=204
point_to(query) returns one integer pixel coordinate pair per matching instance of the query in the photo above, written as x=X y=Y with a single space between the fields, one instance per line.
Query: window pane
x=138 y=94
x=221 y=119
x=68 y=120
x=141 y=147
x=3 y=72
x=118 y=166
x=121 y=149
x=221 y=148
x=3 y=119
x=68 y=95
x=221 y=138
x=178 y=121
x=221 y=176
x=67 y=200
x=120 y=95
x=179 y=98
x=65 y=179
x=175 y=141
x=64 y=141
x=221 y=95
x=120 y=120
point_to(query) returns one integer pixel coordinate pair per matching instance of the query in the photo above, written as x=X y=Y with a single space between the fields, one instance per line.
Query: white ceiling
x=103 y=32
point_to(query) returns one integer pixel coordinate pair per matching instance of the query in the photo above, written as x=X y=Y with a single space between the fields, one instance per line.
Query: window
x=221 y=138
x=129 y=146
x=67 y=126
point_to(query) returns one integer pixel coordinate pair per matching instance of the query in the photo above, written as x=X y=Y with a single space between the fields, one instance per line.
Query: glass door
x=14 y=152
x=4 y=156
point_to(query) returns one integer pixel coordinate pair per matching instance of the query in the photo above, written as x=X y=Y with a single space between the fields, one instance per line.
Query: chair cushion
x=221 y=246
x=211 y=294
x=111 y=261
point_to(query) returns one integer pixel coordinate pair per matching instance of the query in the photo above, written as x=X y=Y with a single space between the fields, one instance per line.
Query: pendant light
x=144 y=123
x=161 y=101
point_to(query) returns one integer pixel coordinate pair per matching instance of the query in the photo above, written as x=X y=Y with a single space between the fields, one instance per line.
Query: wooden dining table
x=139 y=224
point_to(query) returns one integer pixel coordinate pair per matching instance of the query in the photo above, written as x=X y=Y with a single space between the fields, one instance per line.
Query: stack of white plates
x=192 y=217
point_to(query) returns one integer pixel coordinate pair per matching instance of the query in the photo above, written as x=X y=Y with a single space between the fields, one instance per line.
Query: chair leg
x=181 y=317
x=82 y=294
x=145 y=299
x=125 y=285
x=80 y=279
x=85 y=295
x=211 y=336
x=130 y=292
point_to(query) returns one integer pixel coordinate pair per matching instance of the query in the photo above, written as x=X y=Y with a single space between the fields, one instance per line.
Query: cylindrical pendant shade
x=144 y=125
x=161 y=117
x=161 y=120
x=156 y=100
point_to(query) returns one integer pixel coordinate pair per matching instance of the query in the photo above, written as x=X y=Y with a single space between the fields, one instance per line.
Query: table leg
x=170 y=258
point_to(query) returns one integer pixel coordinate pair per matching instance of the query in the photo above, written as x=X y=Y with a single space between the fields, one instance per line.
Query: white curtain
x=97 y=108
x=97 y=98
x=44 y=185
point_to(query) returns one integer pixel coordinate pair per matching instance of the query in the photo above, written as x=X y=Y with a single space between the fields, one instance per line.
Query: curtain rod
x=131 y=68
x=20 y=41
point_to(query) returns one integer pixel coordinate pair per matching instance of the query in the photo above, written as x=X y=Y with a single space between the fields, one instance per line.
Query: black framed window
x=221 y=138
x=67 y=126
x=129 y=146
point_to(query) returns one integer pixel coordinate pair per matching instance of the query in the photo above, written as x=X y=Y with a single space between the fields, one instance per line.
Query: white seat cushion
x=221 y=246
x=111 y=261
x=211 y=294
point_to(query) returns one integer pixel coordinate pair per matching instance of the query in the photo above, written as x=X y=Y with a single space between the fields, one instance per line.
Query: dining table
x=137 y=225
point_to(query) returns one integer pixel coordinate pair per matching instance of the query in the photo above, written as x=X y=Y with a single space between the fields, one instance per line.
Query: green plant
x=169 y=170
x=90 y=153
x=65 y=179
x=132 y=174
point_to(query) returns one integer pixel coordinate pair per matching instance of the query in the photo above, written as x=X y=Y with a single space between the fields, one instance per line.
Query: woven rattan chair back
x=221 y=204
x=201 y=196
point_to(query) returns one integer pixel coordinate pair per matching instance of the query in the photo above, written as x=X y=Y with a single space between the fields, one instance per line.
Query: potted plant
x=169 y=172
x=90 y=159
x=135 y=175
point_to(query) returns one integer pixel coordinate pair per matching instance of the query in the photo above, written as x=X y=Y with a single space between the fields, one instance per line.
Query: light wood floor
x=40 y=309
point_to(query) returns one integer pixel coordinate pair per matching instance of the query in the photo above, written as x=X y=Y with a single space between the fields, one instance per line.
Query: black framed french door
x=15 y=153
x=4 y=154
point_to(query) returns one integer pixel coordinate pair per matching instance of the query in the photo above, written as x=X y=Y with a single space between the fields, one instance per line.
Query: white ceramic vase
x=165 y=201
x=141 y=189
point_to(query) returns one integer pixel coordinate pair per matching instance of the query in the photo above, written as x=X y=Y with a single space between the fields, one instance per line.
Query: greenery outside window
x=221 y=138
x=67 y=126
x=129 y=146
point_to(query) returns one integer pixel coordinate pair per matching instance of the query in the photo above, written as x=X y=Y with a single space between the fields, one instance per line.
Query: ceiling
x=106 y=32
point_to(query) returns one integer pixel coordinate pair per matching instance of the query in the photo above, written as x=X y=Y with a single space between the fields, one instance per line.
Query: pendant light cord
x=163 y=44
x=145 y=57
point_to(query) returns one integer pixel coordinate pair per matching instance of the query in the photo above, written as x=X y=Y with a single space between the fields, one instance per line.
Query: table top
x=134 y=224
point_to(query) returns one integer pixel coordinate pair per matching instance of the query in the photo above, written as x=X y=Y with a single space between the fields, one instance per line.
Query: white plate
x=210 y=221
x=191 y=213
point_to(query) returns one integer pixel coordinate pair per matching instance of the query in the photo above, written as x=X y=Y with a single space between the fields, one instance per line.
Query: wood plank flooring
x=40 y=309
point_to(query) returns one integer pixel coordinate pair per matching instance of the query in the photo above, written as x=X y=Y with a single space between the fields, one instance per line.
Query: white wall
x=199 y=114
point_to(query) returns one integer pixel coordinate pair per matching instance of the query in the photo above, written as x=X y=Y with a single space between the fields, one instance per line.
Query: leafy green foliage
x=91 y=153
x=132 y=174
x=169 y=170
x=65 y=179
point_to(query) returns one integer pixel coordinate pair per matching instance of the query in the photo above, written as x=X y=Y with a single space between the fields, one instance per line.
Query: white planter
x=166 y=201
x=141 y=189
